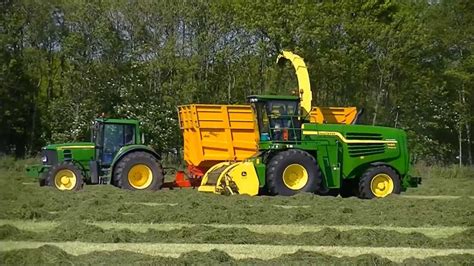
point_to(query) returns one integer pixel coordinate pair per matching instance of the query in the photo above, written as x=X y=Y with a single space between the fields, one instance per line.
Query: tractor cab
x=278 y=117
x=110 y=135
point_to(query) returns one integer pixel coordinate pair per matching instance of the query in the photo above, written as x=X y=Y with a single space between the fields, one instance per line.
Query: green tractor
x=116 y=155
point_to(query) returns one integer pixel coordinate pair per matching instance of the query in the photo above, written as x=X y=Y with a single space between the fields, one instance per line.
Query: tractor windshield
x=278 y=120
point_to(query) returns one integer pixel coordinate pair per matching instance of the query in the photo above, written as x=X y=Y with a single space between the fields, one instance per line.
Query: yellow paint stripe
x=343 y=139
x=75 y=147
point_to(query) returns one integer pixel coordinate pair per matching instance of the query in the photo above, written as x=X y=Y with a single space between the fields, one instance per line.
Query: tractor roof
x=117 y=121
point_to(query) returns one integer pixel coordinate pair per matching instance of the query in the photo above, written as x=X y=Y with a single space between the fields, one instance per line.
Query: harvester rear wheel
x=65 y=176
x=293 y=171
x=138 y=171
x=379 y=182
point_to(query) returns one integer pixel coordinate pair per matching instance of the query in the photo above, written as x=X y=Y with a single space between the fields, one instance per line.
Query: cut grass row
x=293 y=229
x=103 y=203
x=237 y=251
x=78 y=231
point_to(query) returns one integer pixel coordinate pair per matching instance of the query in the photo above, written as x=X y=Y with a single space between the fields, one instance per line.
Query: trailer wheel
x=291 y=172
x=138 y=171
x=64 y=176
x=379 y=182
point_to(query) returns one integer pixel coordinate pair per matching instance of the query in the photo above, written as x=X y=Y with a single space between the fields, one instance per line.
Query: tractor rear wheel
x=379 y=182
x=291 y=172
x=64 y=176
x=138 y=171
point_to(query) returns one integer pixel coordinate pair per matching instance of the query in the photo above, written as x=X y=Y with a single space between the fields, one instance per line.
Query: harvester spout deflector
x=302 y=75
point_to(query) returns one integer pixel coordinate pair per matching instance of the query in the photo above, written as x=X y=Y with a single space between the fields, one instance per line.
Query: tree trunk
x=460 y=143
x=460 y=132
x=469 y=143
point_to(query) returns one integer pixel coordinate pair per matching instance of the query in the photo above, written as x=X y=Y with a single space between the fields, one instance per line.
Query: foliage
x=408 y=63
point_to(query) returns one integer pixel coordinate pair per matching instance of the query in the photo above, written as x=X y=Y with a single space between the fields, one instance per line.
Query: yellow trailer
x=332 y=115
x=215 y=133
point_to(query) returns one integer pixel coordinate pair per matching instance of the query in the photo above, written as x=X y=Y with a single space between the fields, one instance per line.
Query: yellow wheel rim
x=65 y=179
x=295 y=176
x=140 y=176
x=381 y=185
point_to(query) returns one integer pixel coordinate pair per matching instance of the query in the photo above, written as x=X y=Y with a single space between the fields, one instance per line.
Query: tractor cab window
x=115 y=136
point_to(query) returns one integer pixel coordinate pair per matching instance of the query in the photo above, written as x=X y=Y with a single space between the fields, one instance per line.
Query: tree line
x=408 y=63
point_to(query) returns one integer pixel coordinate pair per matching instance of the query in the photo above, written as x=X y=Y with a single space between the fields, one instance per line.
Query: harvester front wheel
x=138 y=171
x=65 y=176
x=293 y=171
x=379 y=182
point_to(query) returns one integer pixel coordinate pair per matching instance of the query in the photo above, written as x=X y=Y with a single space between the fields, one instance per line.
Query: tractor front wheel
x=64 y=176
x=291 y=172
x=379 y=182
x=138 y=171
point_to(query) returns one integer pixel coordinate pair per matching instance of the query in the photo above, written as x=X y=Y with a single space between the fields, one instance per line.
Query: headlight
x=44 y=159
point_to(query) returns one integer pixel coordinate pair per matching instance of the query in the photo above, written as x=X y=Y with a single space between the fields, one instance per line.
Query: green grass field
x=432 y=224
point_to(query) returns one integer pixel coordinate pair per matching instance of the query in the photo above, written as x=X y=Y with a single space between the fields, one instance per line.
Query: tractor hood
x=70 y=146
x=80 y=152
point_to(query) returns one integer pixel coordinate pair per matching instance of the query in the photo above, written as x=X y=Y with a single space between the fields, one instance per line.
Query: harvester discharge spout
x=304 y=86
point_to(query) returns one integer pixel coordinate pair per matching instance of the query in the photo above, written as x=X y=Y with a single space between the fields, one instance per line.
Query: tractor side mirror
x=143 y=138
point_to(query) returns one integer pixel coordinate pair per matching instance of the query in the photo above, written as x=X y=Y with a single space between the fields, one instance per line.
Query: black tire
x=332 y=192
x=381 y=171
x=53 y=179
x=43 y=178
x=123 y=167
x=278 y=164
x=349 y=188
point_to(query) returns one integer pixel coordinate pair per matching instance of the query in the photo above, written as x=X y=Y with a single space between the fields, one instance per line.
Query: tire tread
x=365 y=180
x=119 y=176
x=278 y=159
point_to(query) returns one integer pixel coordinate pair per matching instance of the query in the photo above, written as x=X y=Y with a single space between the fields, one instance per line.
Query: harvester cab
x=115 y=155
x=278 y=117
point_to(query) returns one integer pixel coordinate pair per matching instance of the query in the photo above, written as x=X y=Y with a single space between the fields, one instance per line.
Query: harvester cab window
x=278 y=120
x=263 y=121
x=115 y=137
x=283 y=120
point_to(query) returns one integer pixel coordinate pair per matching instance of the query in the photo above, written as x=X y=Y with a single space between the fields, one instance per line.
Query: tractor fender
x=129 y=149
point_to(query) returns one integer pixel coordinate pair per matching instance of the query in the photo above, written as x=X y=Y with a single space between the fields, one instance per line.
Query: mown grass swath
x=432 y=230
